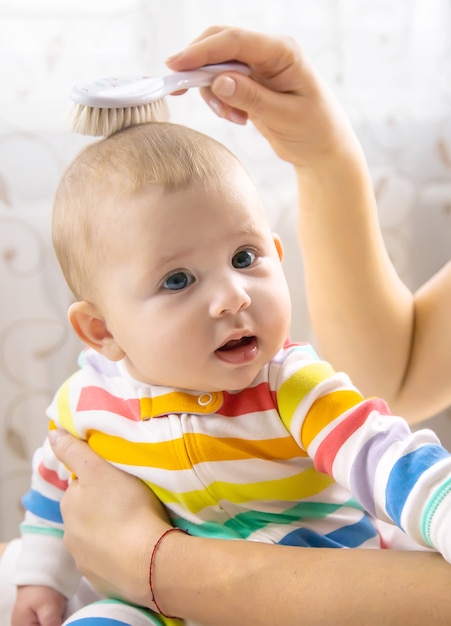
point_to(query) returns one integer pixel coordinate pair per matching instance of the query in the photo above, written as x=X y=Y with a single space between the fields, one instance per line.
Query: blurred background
x=389 y=64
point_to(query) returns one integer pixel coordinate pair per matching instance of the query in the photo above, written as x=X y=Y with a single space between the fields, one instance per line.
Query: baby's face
x=196 y=297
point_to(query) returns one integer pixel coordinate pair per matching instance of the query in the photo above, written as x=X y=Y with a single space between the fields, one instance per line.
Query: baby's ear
x=278 y=244
x=91 y=328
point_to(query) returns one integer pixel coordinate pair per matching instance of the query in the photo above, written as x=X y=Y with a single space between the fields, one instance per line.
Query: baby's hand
x=38 y=606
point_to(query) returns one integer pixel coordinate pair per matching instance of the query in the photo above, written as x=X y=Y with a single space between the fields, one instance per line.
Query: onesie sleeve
x=396 y=474
x=43 y=559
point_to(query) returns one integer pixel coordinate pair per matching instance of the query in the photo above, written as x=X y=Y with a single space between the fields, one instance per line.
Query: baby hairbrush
x=106 y=105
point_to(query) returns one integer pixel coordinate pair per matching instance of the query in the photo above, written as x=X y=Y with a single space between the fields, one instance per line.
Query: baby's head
x=97 y=187
x=163 y=240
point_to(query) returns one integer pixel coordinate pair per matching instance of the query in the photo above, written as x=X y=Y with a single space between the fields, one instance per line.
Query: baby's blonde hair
x=120 y=166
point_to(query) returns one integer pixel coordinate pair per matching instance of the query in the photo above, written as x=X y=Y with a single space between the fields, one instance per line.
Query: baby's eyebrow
x=248 y=226
x=174 y=257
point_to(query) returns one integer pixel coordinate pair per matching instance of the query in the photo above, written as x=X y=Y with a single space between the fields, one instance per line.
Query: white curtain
x=389 y=63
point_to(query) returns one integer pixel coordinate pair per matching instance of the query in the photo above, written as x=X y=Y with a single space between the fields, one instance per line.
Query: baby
x=189 y=381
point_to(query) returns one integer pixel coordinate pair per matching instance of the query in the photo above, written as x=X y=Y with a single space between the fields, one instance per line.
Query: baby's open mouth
x=233 y=344
x=239 y=351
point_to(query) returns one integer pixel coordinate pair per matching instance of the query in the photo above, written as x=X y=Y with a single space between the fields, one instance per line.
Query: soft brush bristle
x=104 y=122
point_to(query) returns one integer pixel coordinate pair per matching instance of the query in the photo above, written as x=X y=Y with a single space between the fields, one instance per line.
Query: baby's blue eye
x=243 y=259
x=178 y=281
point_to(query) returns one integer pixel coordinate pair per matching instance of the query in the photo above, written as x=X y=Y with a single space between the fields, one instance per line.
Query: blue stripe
x=354 y=535
x=42 y=507
x=404 y=475
x=351 y=536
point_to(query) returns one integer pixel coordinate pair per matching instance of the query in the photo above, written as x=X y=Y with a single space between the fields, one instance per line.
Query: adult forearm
x=222 y=583
x=361 y=312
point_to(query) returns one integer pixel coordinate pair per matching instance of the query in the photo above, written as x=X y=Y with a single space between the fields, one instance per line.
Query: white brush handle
x=130 y=91
x=202 y=77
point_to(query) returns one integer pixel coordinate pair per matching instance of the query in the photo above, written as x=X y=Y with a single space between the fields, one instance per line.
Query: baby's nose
x=229 y=297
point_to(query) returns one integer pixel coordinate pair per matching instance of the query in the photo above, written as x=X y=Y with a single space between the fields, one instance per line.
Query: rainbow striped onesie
x=297 y=458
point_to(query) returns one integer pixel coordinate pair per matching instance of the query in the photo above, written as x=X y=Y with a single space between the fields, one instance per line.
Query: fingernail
x=174 y=57
x=216 y=106
x=224 y=86
x=55 y=435
x=237 y=118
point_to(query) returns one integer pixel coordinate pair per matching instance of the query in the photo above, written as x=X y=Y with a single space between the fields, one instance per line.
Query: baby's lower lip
x=241 y=351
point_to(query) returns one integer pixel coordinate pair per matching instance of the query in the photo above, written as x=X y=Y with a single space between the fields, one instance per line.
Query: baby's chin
x=236 y=380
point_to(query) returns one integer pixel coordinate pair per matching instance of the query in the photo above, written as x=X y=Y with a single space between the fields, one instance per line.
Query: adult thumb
x=237 y=91
x=73 y=452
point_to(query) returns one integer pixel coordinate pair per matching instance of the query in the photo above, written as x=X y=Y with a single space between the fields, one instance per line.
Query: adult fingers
x=273 y=60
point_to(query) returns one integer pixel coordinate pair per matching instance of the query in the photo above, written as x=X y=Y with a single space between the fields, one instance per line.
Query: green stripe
x=41 y=530
x=244 y=524
x=431 y=508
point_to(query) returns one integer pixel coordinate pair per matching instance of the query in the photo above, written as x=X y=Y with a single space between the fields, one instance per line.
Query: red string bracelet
x=152 y=565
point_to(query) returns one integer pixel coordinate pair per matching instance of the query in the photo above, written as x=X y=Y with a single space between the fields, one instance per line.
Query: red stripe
x=249 y=400
x=51 y=477
x=98 y=399
x=329 y=447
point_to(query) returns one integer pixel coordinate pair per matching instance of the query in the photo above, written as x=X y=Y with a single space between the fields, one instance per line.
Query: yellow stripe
x=180 y=402
x=65 y=416
x=304 y=485
x=295 y=388
x=194 y=501
x=324 y=410
x=207 y=448
x=173 y=454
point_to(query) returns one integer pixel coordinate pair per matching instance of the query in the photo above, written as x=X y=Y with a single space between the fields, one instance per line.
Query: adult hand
x=282 y=97
x=111 y=521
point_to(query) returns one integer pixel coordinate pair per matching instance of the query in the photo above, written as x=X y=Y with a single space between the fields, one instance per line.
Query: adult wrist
x=152 y=569
x=164 y=565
